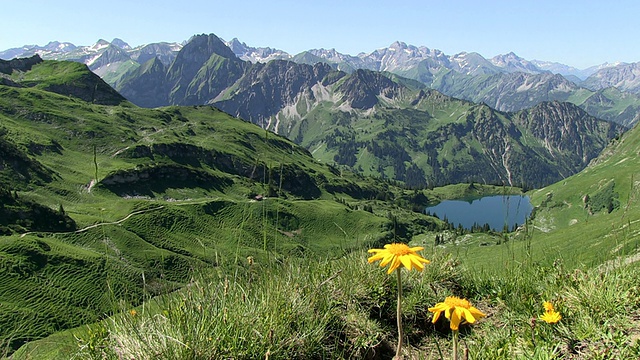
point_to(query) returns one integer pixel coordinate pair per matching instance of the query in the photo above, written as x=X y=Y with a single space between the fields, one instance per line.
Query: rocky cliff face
x=20 y=64
x=625 y=77
x=510 y=91
x=201 y=70
x=165 y=52
x=362 y=89
x=268 y=88
x=567 y=128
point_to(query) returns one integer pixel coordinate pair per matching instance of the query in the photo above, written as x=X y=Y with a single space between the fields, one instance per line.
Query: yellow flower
x=399 y=254
x=133 y=312
x=456 y=310
x=550 y=316
x=548 y=306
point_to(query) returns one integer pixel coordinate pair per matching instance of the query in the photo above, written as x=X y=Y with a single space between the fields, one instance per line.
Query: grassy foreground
x=345 y=309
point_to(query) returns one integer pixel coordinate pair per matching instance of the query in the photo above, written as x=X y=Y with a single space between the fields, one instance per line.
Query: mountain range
x=458 y=75
x=356 y=118
x=398 y=56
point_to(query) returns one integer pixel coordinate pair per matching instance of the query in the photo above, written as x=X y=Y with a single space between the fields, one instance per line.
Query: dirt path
x=101 y=224
x=119 y=221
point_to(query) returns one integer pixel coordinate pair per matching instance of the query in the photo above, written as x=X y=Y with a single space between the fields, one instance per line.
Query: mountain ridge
x=288 y=97
x=465 y=75
x=55 y=49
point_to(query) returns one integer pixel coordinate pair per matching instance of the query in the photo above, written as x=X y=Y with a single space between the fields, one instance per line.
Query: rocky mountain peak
x=513 y=63
x=567 y=127
x=398 y=45
x=121 y=44
x=100 y=44
x=60 y=46
x=207 y=45
x=237 y=47
x=625 y=77
x=255 y=55
x=363 y=87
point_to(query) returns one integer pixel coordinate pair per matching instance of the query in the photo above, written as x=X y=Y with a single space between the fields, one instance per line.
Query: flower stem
x=455 y=344
x=399 y=315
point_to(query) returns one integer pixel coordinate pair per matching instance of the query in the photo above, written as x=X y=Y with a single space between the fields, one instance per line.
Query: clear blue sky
x=576 y=33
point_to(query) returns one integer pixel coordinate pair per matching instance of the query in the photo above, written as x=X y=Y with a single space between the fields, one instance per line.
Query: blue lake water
x=493 y=210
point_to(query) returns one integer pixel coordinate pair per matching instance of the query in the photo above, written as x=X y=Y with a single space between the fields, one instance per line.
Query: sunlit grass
x=346 y=309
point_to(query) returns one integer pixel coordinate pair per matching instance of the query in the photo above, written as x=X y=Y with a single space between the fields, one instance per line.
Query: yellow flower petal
x=436 y=315
x=418 y=262
x=386 y=259
x=467 y=316
x=476 y=313
x=448 y=312
x=455 y=319
x=551 y=317
x=406 y=261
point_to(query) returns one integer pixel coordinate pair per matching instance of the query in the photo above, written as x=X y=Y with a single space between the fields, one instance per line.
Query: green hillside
x=109 y=204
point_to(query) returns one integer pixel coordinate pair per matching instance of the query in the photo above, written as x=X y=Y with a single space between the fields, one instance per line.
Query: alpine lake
x=498 y=211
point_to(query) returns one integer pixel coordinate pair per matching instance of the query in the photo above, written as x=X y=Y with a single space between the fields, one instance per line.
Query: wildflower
x=399 y=254
x=133 y=312
x=550 y=316
x=548 y=306
x=456 y=310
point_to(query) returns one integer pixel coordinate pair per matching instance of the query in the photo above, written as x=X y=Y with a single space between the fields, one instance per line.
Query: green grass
x=345 y=309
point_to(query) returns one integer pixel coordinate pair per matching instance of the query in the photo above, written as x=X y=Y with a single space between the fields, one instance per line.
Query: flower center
x=454 y=301
x=398 y=249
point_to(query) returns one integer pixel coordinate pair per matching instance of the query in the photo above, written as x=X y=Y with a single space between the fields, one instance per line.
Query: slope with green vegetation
x=578 y=252
x=392 y=128
x=111 y=204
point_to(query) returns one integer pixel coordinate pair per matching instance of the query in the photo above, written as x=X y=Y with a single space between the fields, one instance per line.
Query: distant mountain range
x=109 y=60
x=378 y=113
x=505 y=82
x=397 y=57
x=376 y=122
